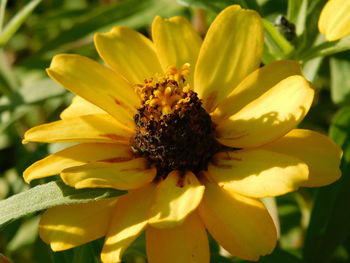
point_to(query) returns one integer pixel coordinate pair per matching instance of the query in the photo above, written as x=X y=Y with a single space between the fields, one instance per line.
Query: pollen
x=163 y=93
x=173 y=130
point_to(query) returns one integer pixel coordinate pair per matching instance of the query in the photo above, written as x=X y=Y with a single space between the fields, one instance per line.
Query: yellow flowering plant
x=193 y=156
x=187 y=140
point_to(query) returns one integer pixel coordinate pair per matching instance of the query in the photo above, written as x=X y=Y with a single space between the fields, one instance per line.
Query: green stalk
x=12 y=26
x=2 y=13
x=8 y=81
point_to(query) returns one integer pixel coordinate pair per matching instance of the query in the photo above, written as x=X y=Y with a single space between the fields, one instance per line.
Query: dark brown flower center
x=173 y=131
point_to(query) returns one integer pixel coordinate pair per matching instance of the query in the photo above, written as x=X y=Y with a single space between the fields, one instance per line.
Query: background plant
x=315 y=223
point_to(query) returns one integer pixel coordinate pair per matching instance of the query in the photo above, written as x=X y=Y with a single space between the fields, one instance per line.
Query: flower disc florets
x=173 y=131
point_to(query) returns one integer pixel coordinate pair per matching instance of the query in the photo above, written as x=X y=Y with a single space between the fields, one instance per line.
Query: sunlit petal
x=228 y=54
x=269 y=116
x=258 y=173
x=76 y=155
x=241 y=225
x=80 y=107
x=317 y=151
x=88 y=128
x=255 y=85
x=129 y=53
x=176 y=42
x=129 y=220
x=176 y=197
x=186 y=243
x=334 y=20
x=119 y=174
x=97 y=84
x=68 y=226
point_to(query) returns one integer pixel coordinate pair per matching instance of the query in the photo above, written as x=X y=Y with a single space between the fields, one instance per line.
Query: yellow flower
x=196 y=132
x=334 y=21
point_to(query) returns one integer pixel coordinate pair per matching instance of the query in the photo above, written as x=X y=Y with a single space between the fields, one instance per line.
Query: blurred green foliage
x=315 y=224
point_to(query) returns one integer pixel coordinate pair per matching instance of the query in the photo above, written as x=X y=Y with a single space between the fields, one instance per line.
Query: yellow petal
x=97 y=84
x=80 y=107
x=186 y=243
x=68 y=226
x=231 y=50
x=129 y=220
x=123 y=175
x=269 y=116
x=334 y=20
x=176 y=42
x=258 y=173
x=129 y=53
x=255 y=85
x=317 y=151
x=88 y=128
x=176 y=197
x=241 y=225
x=74 y=156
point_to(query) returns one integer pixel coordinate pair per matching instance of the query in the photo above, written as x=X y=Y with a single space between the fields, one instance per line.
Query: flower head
x=334 y=20
x=196 y=132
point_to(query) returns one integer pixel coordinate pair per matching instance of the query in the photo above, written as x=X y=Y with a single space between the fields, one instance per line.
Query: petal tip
x=50 y=72
x=57 y=59
x=26 y=176
x=157 y=19
x=27 y=138
x=97 y=36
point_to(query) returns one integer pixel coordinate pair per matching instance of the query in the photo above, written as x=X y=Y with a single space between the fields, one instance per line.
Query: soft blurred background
x=314 y=223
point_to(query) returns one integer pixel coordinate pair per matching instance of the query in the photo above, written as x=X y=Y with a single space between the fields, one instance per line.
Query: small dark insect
x=286 y=28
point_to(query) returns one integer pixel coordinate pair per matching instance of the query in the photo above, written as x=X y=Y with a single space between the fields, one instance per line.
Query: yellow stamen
x=165 y=93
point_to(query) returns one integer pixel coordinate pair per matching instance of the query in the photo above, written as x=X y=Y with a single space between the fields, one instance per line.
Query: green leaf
x=8 y=81
x=48 y=195
x=136 y=252
x=311 y=68
x=8 y=118
x=34 y=91
x=25 y=236
x=11 y=28
x=276 y=44
x=21 y=101
x=297 y=12
x=330 y=219
x=311 y=45
x=64 y=256
x=86 y=254
x=310 y=33
x=340 y=78
x=327 y=49
x=279 y=256
x=2 y=13
x=132 y=13
x=219 y=259
x=4 y=188
x=340 y=133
